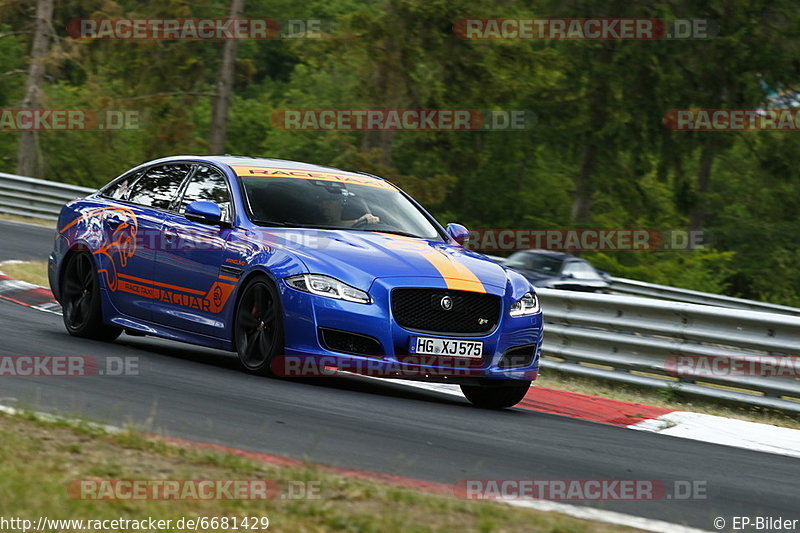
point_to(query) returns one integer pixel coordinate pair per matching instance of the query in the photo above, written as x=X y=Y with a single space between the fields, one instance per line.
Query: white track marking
x=47 y=417
x=49 y=307
x=609 y=517
x=8 y=285
x=725 y=431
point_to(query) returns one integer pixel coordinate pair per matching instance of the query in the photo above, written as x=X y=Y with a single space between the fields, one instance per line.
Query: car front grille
x=470 y=313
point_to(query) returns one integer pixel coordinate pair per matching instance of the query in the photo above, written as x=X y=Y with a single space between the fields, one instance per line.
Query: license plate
x=452 y=347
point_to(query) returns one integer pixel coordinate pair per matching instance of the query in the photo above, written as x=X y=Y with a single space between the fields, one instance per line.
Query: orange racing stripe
x=340 y=177
x=165 y=285
x=456 y=275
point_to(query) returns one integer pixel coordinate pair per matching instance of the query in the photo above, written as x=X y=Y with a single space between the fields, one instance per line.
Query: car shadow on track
x=223 y=360
x=229 y=361
x=390 y=388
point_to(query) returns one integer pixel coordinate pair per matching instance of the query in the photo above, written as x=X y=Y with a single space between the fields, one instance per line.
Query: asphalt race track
x=24 y=241
x=198 y=394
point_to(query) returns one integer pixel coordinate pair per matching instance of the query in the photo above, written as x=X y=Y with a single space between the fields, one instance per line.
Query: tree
x=219 y=122
x=28 y=159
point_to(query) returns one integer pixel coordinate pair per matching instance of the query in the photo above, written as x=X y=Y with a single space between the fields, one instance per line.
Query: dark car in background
x=558 y=270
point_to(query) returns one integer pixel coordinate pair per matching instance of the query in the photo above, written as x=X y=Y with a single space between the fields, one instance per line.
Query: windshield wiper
x=393 y=232
x=296 y=225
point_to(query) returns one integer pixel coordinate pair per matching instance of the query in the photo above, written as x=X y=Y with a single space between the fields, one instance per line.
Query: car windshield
x=317 y=203
x=580 y=270
x=537 y=262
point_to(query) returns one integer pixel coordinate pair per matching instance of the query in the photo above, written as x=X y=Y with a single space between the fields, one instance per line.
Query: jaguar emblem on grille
x=446 y=302
x=482 y=321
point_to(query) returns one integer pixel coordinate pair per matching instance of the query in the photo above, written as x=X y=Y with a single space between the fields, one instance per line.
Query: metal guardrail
x=631 y=339
x=31 y=197
x=664 y=292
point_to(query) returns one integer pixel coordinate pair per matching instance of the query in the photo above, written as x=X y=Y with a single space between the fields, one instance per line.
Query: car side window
x=208 y=184
x=121 y=189
x=159 y=187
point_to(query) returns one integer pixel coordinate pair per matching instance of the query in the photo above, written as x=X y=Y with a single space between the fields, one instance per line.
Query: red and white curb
x=27 y=294
x=683 y=424
x=725 y=431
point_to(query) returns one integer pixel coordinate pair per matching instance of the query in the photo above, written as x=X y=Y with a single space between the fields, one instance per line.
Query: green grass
x=39 y=459
x=31 y=271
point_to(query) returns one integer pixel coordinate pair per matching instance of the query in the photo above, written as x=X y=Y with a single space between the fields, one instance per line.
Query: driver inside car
x=338 y=209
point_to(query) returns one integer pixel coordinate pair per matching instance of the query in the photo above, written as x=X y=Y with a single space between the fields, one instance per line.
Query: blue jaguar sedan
x=299 y=269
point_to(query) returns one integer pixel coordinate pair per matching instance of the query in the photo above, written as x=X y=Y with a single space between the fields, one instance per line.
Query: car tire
x=80 y=300
x=496 y=396
x=258 y=326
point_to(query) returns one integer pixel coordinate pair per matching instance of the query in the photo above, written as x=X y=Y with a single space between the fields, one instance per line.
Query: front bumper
x=306 y=314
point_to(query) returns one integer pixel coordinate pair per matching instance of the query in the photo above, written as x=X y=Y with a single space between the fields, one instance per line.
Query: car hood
x=359 y=257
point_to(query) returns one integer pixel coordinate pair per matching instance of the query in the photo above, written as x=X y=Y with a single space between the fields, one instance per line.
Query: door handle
x=169 y=235
x=113 y=222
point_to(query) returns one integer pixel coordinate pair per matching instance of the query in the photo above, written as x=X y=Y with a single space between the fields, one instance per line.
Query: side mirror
x=458 y=233
x=204 y=213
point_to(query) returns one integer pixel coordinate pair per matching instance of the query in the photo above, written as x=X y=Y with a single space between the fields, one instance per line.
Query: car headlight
x=327 y=286
x=527 y=305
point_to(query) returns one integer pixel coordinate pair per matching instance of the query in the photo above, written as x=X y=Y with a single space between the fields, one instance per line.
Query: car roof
x=263 y=162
